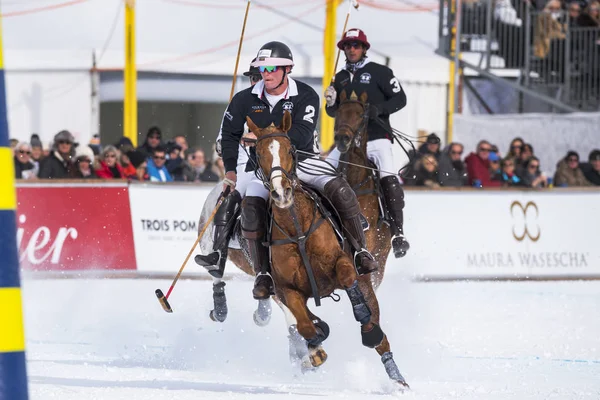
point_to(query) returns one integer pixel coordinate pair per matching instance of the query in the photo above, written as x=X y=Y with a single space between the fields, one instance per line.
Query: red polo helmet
x=354 y=35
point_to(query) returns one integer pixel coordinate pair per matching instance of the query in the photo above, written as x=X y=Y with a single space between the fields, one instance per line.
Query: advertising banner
x=165 y=226
x=505 y=234
x=74 y=228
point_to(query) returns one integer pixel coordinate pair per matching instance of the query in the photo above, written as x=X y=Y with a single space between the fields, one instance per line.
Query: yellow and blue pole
x=13 y=373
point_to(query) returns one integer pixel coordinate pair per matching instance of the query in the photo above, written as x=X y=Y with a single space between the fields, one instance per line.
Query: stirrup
x=362 y=270
x=271 y=287
x=209 y=261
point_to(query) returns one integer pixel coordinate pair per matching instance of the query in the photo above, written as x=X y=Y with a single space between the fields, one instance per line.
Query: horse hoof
x=217 y=317
x=262 y=315
x=318 y=356
x=402 y=385
x=306 y=366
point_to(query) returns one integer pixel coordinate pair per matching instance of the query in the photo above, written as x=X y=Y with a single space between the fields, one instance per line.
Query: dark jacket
x=383 y=90
x=451 y=173
x=55 y=167
x=590 y=173
x=301 y=101
x=20 y=168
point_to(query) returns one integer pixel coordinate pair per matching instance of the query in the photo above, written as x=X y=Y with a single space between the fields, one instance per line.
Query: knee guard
x=254 y=217
x=342 y=197
x=224 y=220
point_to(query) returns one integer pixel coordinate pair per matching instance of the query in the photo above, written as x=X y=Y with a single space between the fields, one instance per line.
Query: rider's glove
x=330 y=96
x=374 y=112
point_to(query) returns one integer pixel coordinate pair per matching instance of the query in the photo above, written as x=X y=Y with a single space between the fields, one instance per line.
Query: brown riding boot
x=344 y=200
x=254 y=228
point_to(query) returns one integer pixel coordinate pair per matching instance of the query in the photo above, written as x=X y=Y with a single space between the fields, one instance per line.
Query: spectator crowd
x=430 y=166
x=154 y=160
x=486 y=167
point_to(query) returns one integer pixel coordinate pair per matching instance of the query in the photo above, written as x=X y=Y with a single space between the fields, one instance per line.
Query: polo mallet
x=352 y=3
x=164 y=300
x=237 y=60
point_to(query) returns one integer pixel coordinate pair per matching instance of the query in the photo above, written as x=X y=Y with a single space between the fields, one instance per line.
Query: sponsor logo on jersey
x=258 y=108
x=288 y=106
x=365 y=78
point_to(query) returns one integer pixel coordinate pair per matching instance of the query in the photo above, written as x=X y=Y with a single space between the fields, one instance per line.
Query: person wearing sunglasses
x=155 y=166
x=265 y=103
x=24 y=167
x=59 y=163
x=253 y=74
x=108 y=165
x=385 y=96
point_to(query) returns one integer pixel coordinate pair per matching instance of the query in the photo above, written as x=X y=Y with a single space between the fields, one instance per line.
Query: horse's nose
x=342 y=139
x=274 y=194
x=288 y=193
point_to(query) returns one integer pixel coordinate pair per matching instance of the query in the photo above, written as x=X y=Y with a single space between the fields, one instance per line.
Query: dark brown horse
x=303 y=243
x=351 y=138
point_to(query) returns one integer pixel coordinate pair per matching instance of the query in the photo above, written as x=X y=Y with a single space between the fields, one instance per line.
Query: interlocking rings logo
x=523 y=228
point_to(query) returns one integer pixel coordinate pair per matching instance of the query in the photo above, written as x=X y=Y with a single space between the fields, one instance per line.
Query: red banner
x=74 y=228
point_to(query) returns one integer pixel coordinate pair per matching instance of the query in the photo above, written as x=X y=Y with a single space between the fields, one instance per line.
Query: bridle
x=291 y=176
x=358 y=131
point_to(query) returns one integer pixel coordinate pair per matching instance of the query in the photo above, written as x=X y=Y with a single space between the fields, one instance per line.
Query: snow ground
x=110 y=339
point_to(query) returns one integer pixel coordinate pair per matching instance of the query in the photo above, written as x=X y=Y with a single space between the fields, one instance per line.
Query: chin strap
x=282 y=79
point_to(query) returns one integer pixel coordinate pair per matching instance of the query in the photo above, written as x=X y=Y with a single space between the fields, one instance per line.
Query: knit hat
x=136 y=157
x=594 y=155
x=84 y=151
x=35 y=140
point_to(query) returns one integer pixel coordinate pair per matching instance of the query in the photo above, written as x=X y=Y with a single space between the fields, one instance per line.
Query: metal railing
x=549 y=52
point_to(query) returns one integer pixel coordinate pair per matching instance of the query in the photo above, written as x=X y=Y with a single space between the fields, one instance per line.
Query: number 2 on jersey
x=310 y=113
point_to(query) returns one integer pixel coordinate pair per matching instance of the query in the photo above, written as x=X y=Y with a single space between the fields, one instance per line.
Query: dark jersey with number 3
x=300 y=100
x=383 y=90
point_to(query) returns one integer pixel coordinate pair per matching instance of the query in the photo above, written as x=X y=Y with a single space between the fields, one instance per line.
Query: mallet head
x=163 y=301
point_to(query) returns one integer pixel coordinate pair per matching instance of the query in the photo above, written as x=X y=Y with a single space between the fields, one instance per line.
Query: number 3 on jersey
x=310 y=113
x=395 y=85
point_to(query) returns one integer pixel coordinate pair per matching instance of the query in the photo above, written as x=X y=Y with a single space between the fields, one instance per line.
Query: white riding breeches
x=380 y=151
x=315 y=165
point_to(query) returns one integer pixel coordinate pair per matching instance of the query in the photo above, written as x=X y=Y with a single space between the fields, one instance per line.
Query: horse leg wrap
x=391 y=368
x=361 y=310
x=372 y=338
x=220 y=301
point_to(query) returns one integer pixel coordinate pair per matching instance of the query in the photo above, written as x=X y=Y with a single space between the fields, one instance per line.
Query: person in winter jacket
x=157 y=170
x=24 y=166
x=568 y=172
x=59 y=163
x=108 y=167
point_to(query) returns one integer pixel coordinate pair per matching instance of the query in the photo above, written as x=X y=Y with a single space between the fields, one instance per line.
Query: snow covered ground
x=110 y=339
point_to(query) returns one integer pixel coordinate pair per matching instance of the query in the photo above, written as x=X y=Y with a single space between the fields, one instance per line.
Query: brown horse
x=303 y=243
x=351 y=138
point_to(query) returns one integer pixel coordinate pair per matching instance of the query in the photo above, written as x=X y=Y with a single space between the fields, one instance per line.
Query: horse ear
x=286 y=124
x=363 y=98
x=253 y=128
x=343 y=96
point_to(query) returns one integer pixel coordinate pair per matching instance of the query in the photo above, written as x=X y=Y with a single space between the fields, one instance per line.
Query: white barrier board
x=453 y=234
x=501 y=234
